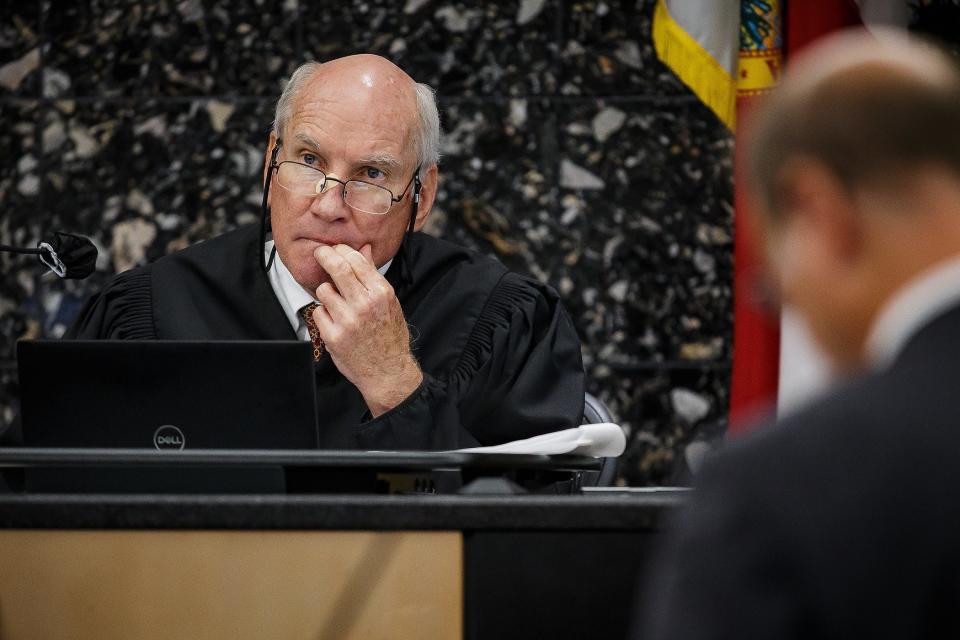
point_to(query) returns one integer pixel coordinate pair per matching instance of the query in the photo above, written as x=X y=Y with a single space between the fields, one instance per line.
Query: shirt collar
x=291 y=296
x=910 y=309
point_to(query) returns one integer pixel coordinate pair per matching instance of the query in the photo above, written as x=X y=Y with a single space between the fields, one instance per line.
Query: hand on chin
x=309 y=274
x=316 y=273
x=363 y=326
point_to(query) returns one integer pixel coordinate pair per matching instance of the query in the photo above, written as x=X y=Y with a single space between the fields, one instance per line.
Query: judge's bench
x=111 y=543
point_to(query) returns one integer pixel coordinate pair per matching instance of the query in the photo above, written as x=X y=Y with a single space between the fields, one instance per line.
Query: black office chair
x=595 y=412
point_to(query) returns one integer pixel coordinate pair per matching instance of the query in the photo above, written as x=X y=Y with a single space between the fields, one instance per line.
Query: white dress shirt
x=290 y=294
x=911 y=308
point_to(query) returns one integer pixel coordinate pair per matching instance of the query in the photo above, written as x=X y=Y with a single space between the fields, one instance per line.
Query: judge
x=419 y=343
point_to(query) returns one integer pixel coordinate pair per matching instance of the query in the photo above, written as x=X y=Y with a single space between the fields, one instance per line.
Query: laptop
x=168 y=394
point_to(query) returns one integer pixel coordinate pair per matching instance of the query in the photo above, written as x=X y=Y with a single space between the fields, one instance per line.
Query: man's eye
x=373 y=173
x=309 y=158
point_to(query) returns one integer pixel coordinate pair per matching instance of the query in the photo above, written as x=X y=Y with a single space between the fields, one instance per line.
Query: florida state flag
x=729 y=52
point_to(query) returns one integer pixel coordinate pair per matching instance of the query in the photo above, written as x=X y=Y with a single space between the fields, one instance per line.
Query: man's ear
x=815 y=198
x=271 y=143
x=428 y=195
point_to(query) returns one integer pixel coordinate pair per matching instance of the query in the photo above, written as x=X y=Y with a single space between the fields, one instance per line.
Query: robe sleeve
x=520 y=374
x=122 y=310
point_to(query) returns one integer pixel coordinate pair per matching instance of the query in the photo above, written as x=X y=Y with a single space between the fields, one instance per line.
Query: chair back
x=595 y=412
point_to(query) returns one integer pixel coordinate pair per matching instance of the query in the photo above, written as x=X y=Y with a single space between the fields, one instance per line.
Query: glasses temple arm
x=265 y=264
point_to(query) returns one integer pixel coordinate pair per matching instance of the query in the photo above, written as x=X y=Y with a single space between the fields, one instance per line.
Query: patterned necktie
x=307 y=314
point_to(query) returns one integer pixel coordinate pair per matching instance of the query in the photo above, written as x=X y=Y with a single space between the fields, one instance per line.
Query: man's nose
x=330 y=181
x=328 y=203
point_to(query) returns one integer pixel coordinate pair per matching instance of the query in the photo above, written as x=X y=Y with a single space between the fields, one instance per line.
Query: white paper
x=604 y=440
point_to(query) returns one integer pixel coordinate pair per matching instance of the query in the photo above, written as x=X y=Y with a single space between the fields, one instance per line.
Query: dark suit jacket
x=842 y=521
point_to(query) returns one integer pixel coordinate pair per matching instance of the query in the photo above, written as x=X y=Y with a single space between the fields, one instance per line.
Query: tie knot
x=306 y=312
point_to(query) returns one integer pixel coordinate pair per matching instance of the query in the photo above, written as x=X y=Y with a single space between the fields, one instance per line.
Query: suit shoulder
x=844 y=437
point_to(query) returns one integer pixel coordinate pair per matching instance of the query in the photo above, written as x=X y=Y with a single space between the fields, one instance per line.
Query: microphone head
x=69 y=255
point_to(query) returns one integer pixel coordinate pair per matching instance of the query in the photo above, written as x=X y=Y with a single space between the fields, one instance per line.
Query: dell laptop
x=168 y=395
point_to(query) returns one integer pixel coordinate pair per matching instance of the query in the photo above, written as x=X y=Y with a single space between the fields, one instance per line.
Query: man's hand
x=363 y=327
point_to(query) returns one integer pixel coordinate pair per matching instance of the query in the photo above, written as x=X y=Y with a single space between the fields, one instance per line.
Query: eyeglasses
x=318 y=183
x=303 y=180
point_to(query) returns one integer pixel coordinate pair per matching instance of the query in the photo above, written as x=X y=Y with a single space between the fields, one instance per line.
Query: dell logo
x=168 y=437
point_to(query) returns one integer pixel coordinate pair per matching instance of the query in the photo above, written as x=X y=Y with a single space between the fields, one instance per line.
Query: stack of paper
x=604 y=440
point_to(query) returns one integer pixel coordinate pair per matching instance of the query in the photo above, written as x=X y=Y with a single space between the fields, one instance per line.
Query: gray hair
x=426 y=134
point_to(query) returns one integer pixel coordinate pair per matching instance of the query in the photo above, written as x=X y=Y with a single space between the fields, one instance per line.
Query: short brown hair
x=867 y=121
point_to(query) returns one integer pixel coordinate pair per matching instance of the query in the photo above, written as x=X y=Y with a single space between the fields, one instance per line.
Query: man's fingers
x=326 y=327
x=349 y=252
x=321 y=318
x=334 y=306
x=363 y=266
x=341 y=271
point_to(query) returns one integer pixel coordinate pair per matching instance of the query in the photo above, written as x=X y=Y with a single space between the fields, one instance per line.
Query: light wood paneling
x=230 y=584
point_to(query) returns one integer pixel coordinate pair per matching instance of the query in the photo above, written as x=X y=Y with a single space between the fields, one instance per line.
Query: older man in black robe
x=420 y=344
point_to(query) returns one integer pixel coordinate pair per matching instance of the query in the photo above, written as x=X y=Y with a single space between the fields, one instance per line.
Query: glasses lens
x=298 y=178
x=367 y=197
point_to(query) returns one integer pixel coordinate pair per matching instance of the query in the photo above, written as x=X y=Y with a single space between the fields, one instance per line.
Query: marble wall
x=571 y=153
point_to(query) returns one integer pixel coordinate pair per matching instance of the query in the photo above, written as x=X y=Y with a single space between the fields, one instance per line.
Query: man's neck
x=916 y=271
x=911 y=308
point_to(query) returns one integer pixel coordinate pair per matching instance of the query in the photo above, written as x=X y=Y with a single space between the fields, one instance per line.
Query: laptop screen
x=167 y=394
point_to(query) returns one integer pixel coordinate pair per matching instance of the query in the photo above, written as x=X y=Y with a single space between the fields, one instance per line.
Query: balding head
x=857 y=159
x=353 y=161
x=871 y=107
x=374 y=85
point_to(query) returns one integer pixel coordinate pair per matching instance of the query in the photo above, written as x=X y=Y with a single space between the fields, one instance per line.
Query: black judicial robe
x=500 y=356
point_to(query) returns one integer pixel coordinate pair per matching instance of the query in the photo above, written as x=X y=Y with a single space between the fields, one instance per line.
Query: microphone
x=66 y=254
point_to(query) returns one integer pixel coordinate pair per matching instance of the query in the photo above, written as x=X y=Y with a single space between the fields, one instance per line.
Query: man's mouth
x=331 y=242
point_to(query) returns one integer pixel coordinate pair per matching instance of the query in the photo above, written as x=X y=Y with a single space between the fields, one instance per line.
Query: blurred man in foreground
x=843 y=521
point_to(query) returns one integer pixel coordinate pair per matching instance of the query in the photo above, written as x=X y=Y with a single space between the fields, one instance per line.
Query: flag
x=729 y=52
x=698 y=41
x=756 y=327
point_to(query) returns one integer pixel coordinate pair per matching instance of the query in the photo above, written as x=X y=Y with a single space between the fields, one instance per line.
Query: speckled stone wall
x=571 y=153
